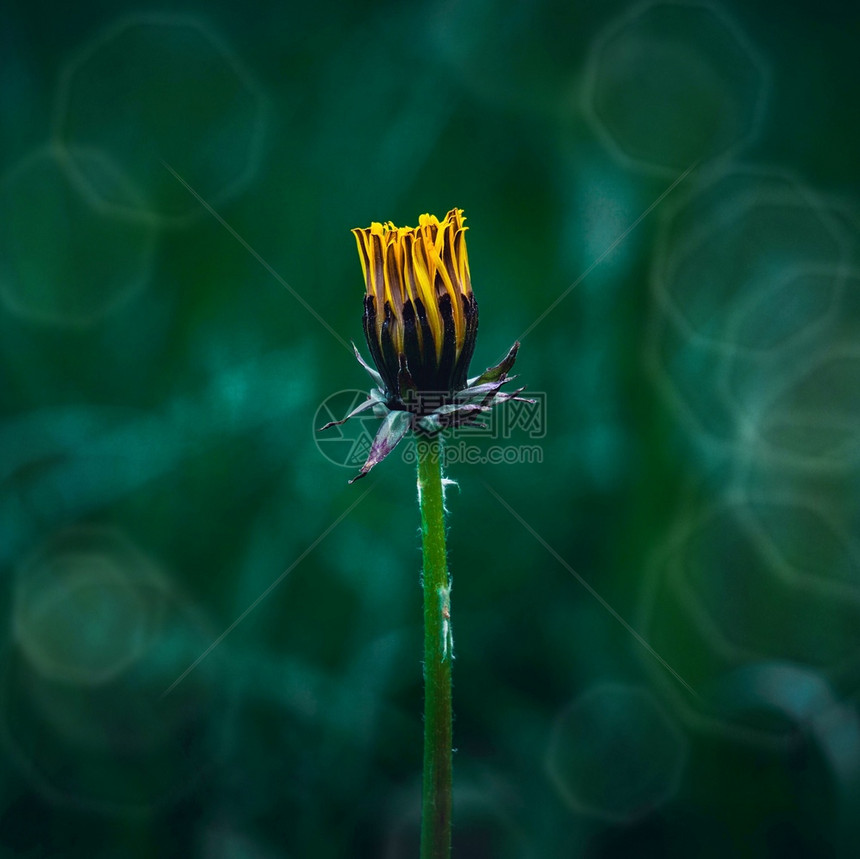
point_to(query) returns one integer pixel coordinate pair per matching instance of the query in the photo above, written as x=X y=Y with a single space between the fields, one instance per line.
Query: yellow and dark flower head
x=420 y=323
x=420 y=316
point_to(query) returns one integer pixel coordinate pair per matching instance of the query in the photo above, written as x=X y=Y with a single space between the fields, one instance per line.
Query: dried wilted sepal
x=421 y=322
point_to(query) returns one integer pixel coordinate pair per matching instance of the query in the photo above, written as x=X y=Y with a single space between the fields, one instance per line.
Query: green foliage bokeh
x=656 y=624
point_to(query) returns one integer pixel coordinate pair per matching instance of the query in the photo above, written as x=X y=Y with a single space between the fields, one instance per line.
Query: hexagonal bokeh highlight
x=98 y=635
x=751 y=282
x=160 y=90
x=614 y=754
x=811 y=419
x=63 y=262
x=674 y=84
x=755 y=580
x=762 y=592
x=749 y=261
x=812 y=712
x=83 y=621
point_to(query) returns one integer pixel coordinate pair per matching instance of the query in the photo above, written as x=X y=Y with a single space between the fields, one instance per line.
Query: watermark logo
x=515 y=418
x=510 y=430
x=348 y=444
x=457 y=451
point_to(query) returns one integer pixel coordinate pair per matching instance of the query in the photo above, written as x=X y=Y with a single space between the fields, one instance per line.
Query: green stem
x=436 y=793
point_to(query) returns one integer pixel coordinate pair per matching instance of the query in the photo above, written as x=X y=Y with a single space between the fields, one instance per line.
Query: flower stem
x=436 y=792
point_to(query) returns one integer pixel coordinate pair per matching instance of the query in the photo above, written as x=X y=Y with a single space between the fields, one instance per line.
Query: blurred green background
x=177 y=279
